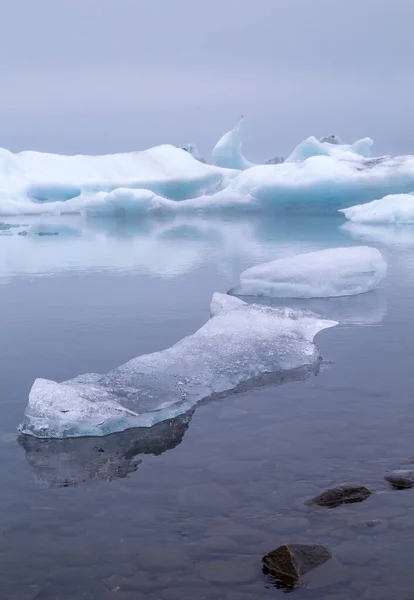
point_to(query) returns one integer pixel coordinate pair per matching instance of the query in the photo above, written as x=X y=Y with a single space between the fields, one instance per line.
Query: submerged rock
x=290 y=562
x=400 y=479
x=344 y=494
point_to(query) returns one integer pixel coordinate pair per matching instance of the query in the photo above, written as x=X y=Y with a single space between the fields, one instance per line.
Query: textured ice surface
x=232 y=348
x=392 y=209
x=227 y=152
x=330 y=147
x=29 y=179
x=325 y=273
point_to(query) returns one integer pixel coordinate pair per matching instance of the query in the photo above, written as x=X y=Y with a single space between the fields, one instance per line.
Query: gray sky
x=109 y=75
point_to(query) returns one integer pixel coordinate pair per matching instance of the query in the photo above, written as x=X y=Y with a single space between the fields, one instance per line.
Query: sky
x=97 y=76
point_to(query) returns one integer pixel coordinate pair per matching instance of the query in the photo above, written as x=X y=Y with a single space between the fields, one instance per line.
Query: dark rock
x=290 y=562
x=344 y=494
x=401 y=479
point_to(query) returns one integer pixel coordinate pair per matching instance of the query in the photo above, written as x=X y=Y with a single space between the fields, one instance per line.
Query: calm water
x=186 y=510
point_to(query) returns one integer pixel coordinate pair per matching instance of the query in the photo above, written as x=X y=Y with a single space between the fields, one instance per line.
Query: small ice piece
x=194 y=151
x=227 y=153
x=322 y=274
x=234 y=347
x=393 y=209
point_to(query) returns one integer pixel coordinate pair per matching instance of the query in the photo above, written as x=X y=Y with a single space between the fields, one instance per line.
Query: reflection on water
x=156 y=246
x=363 y=309
x=387 y=235
x=69 y=462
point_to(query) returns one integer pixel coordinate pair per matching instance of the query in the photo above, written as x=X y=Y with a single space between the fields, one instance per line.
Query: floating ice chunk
x=227 y=152
x=232 y=348
x=194 y=151
x=392 y=209
x=313 y=147
x=325 y=273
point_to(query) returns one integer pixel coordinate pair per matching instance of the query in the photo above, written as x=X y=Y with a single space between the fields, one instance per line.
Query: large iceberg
x=393 y=209
x=227 y=152
x=29 y=179
x=330 y=147
x=238 y=345
x=325 y=273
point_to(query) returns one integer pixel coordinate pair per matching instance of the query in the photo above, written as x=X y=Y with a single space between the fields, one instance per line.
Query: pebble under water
x=187 y=509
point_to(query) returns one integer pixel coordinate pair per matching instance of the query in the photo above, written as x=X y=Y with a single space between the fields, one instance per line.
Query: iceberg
x=321 y=274
x=331 y=146
x=235 y=347
x=28 y=179
x=322 y=183
x=227 y=153
x=393 y=209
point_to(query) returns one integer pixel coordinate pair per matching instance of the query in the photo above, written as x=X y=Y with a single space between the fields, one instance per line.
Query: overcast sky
x=108 y=75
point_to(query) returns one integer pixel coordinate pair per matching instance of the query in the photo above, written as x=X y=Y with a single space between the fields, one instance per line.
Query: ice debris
x=234 y=347
x=393 y=209
x=324 y=273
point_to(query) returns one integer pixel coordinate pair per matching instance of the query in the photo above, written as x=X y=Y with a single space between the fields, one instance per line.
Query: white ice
x=150 y=182
x=327 y=147
x=322 y=183
x=227 y=152
x=393 y=209
x=321 y=274
x=30 y=179
x=234 y=347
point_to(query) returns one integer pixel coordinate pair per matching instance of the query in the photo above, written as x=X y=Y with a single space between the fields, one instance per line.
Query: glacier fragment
x=393 y=209
x=234 y=347
x=324 y=273
x=227 y=152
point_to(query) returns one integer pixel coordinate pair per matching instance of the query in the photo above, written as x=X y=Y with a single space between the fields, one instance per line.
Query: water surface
x=187 y=509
